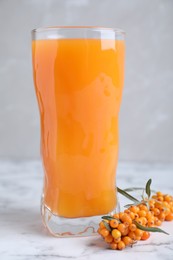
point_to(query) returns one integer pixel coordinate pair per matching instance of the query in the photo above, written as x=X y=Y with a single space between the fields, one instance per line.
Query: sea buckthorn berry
x=139 y=220
x=132 y=235
x=126 y=219
x=127 y=240
x=104 y=232
x=143 y=207
x=150 y=222
x=160 y=198
x=138 y=238
x=154 y=197
x=136 y=215
x=134 y=209
x=127 y=211
x=145 y=235
x=101 y=225
x=157 y=222
x=125 y=232
x=121 y=245
x=166 y=204
x=132 y=215
x=114 y=223
x=142 y=213
x=98 y=230
x=156 y=211
x=169 y=217
x=113 y=245
x=121 y=214
x=167 y=211
x=144 y=221
x=161 y=216
x=159 y=206
x=132 y=227
x=121 y=227
x=109 y=238
x=138 y=232
x=116 y=215
x=116 y=240
x=152 y=206
x=167 y=198
x=159 y=193
x=149 y=214
x=116 y=233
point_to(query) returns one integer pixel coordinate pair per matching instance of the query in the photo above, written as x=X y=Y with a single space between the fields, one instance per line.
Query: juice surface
x=78 y=85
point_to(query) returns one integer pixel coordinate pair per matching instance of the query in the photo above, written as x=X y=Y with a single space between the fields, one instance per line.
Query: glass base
x=70 y=227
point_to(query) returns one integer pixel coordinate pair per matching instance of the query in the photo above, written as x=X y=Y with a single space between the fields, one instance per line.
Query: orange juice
x=79 y=85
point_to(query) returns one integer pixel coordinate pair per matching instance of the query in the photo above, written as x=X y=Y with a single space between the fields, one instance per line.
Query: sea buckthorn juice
x=78 y=75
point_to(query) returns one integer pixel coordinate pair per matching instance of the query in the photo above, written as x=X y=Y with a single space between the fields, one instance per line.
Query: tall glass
x=78 y=75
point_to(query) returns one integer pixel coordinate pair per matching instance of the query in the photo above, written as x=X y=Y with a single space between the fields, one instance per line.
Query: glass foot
x=70 y=227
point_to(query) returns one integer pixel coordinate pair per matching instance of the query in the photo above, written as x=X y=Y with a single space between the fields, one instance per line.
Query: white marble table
x=23 y=237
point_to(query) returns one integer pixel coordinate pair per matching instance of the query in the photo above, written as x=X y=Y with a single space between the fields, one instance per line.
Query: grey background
x=146 y=117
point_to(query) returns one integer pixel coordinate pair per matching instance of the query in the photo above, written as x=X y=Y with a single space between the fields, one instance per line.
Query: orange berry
x=132 y=227
x=125 y=232
x=113 y=223
x=158 y=222
x=116 y=215
x=136 y=215
x=132 y=215
x=113 y=245
x=127 y=240
x=161 y=216
x=116 y=240
x=145 y=235
x=159 y=193
x=109 y=238
x=138 y=238
x=144 y=221
x=121 y=245
x=104 y=232
x=138 y=232
x=149 y=214
x=121 y=227
x=101 y=225
x=139 y=220
x=126 y=219
x=143 y=207
x=166 y=204
x=142 y=213
x=167 y=211
x=121 y=214
x=167 y=198
x=98 y=230
x=132 y=235
x=156 y=211
x=116 y=233
x=154 y=197
x=169 y=217
x=134 y=209
x=160 y=198
x=127 y=211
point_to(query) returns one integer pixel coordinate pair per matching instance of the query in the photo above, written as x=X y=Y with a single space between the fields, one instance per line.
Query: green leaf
x=110 y=218
x=133 y=189
x=150 y=229
x=107 y=225
x=132 y=204
x=127 y=195
x=147 y=188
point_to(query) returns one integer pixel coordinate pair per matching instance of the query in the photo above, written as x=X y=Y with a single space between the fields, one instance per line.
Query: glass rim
x=86 y=28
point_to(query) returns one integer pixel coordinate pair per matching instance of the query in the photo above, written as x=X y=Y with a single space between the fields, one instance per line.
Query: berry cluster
x=135 y=223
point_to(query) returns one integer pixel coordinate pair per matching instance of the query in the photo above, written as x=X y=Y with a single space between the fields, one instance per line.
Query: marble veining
x=23 y=237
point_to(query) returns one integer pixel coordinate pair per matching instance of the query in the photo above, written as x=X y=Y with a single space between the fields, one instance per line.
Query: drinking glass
x=78 y=76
